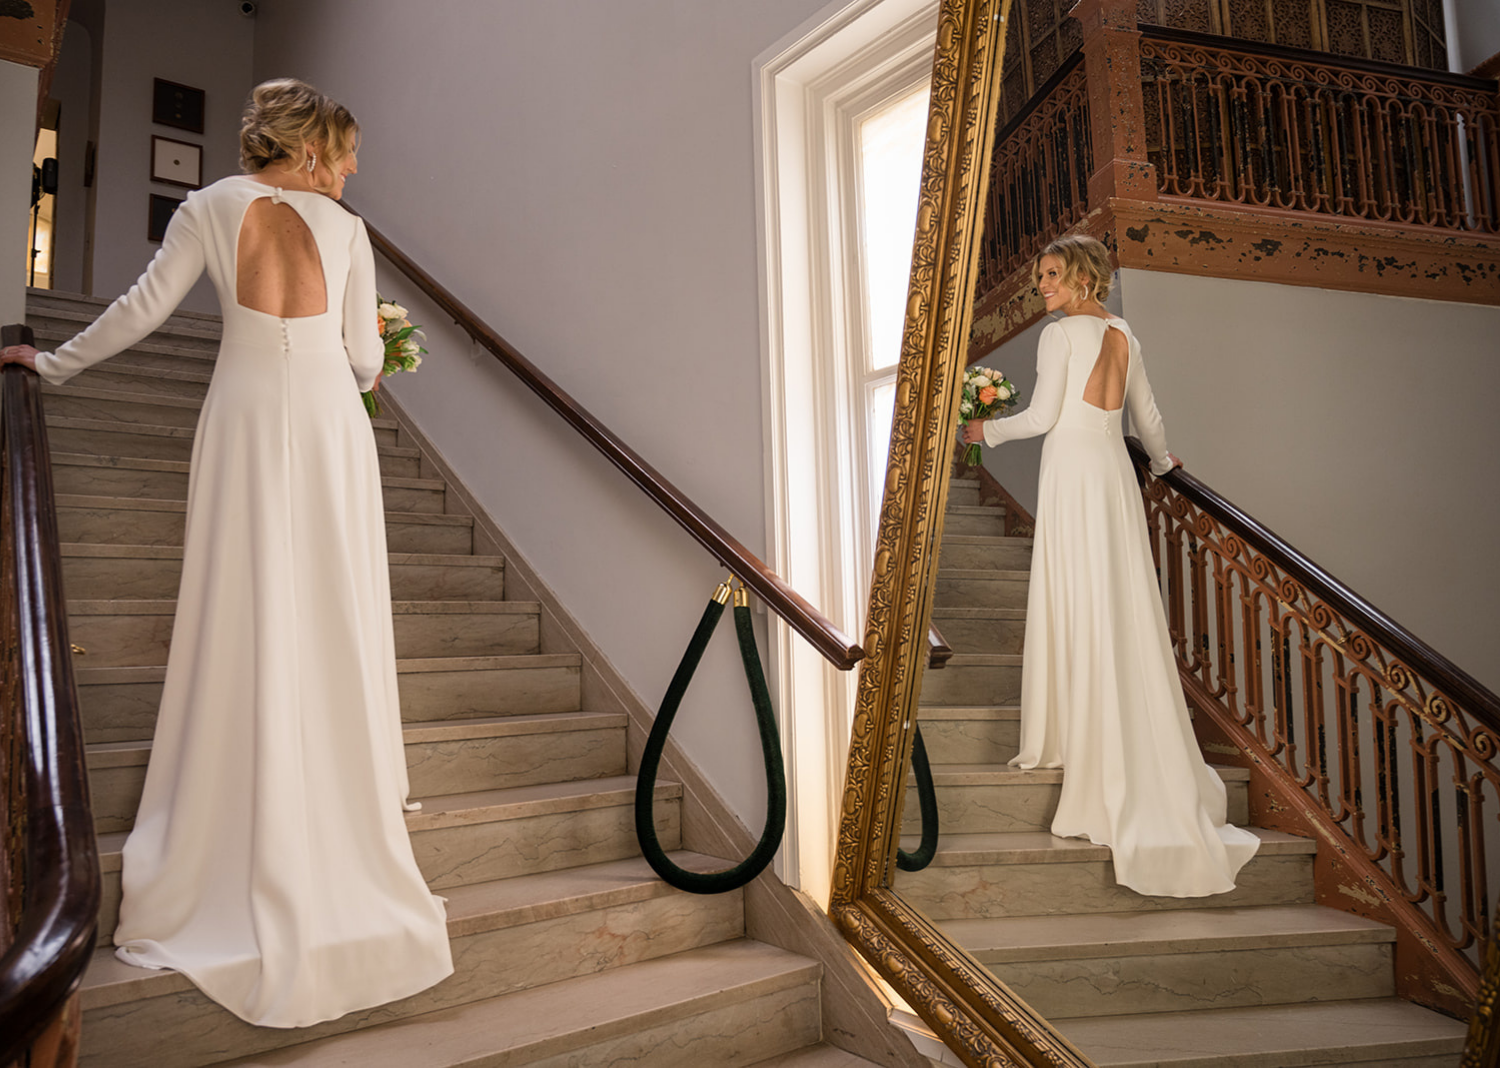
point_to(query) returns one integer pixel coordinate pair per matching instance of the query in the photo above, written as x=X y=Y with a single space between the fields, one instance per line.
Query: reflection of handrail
x=1356 y=733
x=786 y=602
x=49 y=869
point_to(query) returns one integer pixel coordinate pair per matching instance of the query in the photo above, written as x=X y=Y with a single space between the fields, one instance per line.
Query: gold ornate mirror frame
x=967 y=1007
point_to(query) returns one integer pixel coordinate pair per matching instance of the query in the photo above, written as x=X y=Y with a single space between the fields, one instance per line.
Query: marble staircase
x=568 y=949
x=1261 y=977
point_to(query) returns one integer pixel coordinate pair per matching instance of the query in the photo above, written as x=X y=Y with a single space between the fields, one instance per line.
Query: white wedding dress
x=270 y=861
x=1100 y=694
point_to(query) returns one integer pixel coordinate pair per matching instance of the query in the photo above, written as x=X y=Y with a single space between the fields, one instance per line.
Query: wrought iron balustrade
x=1266 y=127
x=1039 y=177
x=1392 y=746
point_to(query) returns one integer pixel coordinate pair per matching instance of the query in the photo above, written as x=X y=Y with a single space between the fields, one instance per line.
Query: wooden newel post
x=1117 y=116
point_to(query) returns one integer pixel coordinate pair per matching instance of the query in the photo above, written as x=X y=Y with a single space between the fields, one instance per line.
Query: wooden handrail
x=1414 y=652
x=938 y=650
x=780 y=598
x=51 y=940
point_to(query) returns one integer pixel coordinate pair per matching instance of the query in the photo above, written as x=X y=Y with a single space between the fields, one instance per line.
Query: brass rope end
x=741 y=596
x=721 y=595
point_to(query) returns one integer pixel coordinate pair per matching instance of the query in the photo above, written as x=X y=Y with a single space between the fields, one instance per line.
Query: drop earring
x=312 y=162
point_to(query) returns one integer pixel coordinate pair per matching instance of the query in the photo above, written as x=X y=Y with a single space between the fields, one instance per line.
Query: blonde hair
x=285 y=118
x=1085 y=265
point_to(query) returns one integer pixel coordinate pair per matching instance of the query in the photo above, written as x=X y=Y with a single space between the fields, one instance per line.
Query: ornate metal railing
x=1040 y=173
x=49 y=862
x=1392 y=746
x=1282 y=128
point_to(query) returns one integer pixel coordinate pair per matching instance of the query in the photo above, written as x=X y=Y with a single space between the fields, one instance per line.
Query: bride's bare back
x=277 y=266
x=1106 y=385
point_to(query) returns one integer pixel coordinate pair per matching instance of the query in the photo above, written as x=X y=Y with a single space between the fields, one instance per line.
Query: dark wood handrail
x=44 y=962
x=780 y=598
x=1414 y=652
x=1316 y=58
x=938 y=650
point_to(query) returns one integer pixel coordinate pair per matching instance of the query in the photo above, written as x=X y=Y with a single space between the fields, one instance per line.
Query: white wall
x=203 y=43
x=581 y=174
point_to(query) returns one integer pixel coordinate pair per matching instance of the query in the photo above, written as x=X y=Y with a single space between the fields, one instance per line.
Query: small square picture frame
x=160 y=214
x=174 y=104
x=176 y=162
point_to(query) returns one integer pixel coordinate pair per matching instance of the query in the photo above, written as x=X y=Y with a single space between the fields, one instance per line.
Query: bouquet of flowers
x=985 y=392
x=402 y=353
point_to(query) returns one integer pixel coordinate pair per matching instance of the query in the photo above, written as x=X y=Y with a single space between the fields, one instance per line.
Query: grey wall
x=17 y=127
x=72 y=88
x=1476 y=30
x=203 y=43
x=581 y=174
x=1360 y=428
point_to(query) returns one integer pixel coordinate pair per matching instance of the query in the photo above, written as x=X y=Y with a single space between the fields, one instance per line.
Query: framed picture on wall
x=161 y=214
x=177 y=105
x=176 y=162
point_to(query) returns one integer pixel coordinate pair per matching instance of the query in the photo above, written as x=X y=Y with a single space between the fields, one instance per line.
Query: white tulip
x=1002 y=393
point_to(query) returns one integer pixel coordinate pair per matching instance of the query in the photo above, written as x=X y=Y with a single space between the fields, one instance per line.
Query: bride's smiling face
x=1055 y=292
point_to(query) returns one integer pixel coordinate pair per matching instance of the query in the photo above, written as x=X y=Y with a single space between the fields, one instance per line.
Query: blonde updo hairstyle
x=286 y=118
x=1085 y=265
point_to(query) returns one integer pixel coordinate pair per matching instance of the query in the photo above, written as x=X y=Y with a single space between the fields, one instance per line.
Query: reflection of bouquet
x=402 y=353
x=985 y=392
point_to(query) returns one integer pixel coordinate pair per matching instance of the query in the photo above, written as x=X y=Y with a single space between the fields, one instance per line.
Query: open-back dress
x=270 y=861
x=1100 y=695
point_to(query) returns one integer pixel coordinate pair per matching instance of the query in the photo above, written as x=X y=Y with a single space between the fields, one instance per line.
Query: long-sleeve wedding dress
x=270 y=861
x=1100 y=695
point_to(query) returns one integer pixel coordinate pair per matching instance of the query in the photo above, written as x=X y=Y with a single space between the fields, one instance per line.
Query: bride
x=270 y=861
x=1099 y=689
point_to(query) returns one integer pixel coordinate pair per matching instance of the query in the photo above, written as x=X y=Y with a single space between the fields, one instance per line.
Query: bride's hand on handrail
x=1176 y=462
x=24 y=355
x=972 y=432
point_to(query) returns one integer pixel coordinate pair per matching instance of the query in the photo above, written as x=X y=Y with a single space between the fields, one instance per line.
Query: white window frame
x=810 y=91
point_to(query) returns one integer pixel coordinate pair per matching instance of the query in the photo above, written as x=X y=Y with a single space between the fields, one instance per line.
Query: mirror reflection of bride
x=1100 y=694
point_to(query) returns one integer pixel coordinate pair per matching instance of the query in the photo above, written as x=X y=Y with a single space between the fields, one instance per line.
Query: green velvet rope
x=927 y=799
x=715 y=882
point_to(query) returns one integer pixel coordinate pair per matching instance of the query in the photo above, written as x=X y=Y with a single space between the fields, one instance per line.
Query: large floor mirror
x=900 y=919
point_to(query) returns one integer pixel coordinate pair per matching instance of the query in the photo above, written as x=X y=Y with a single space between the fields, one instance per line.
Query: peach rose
x=987 y=395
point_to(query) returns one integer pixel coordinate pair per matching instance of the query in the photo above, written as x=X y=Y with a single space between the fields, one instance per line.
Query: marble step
x=145 y=521
x=970 y=734
x=963 y=490
x=1116 y=964
x=120 y=704
x=95 y=475
x=1031 y=873
x=980 y=520
x=60 y=323
x=531 y=932
x=981 y=588
x=730 y=1005
x=497 y=753
x=974 y=679
x=997 y=798
x=154 y=380
x=1375 y=1033
x=154 y=572
x=819 y=1056
x=972 y=552
x=982 y=630
x=141 y=408
x=120 y=633
x=104 y=437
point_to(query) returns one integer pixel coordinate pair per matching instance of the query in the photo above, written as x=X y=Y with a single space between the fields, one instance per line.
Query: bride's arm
x=1052 y=352
x=1145 y=420
x=361 y=334
x=168 y=277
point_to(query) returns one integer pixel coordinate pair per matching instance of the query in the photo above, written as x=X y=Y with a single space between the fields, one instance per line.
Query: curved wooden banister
x=52 y=861
x=1414 y=653
x=780 y=598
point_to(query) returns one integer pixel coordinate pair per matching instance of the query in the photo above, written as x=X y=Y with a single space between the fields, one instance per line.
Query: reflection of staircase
x=1260 y=976
x=568 y=949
